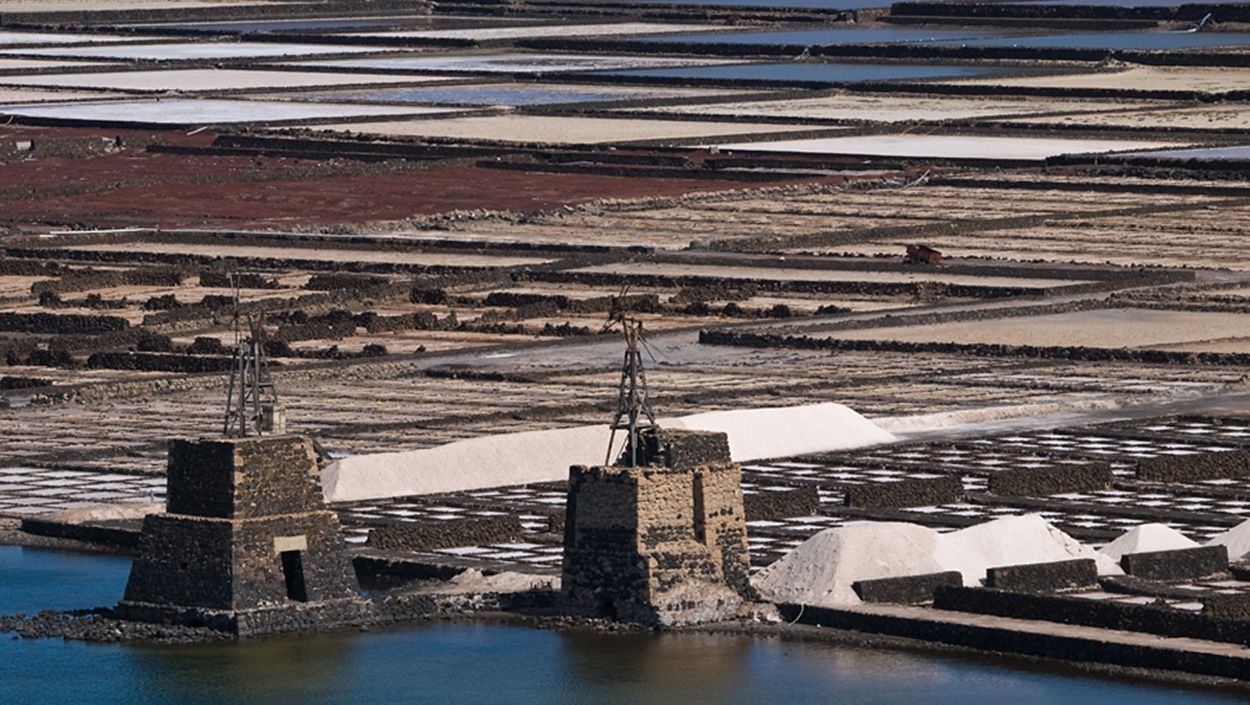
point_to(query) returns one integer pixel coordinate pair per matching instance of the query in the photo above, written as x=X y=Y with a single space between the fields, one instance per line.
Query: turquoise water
x=493 y=664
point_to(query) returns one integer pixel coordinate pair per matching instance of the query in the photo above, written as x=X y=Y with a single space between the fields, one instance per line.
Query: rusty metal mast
x=251 y=401
x=633 y=404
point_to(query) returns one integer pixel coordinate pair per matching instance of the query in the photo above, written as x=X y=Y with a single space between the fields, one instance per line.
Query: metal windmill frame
x=634 y=414
x=251 y=392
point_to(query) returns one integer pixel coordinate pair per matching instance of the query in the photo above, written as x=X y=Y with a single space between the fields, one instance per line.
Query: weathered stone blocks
x=246 y=544
x=662 y=543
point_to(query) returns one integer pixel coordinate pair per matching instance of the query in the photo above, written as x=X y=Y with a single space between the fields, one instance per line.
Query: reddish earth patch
x=328 y=200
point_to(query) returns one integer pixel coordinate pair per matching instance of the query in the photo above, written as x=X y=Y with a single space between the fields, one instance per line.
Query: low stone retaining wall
x=1195 y=468
x=905 y=590
x=905 y=493
x=1044 y=577
x=1181 y=564
x=434 y=535
x=1040 y=482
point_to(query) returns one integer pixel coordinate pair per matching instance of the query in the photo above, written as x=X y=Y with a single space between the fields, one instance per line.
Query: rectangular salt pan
x=945 y=146
x=189 y=80
x=512 y=63
x=35 y=38
x=206 y=112
x=562 y=30
x=191 y=51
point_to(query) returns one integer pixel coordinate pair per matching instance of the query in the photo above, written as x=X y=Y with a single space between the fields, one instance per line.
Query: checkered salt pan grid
x=40 y=491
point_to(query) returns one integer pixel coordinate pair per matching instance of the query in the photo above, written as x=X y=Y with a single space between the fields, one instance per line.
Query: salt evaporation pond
x=827 y=37
x=533 y=94
x=192 y=51
x=294 y=25
x=178 y=111
x=510 y=63
x=811 y=72
x=459 y=664
x=1142 y=41
x=1236 y=153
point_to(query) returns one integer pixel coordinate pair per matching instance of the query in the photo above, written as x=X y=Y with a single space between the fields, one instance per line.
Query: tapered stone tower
x=662 y=542
x=246 y=544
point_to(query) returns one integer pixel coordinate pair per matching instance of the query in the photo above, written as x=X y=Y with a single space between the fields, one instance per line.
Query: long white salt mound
x=1144 y=538
x=820 y=571
x=545 y=456
x=1236 y=540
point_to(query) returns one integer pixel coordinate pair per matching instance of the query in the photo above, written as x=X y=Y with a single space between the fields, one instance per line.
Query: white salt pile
x=821 y=570
x=545 y=456
x=1144 y=538
x=1012 y=541
x=755 y=434
x=1236 y=540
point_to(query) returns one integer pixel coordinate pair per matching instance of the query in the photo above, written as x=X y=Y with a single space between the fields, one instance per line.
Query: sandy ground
x=1138 y=78
x=513 y=63
x=26 y=64
x=1106 y=328
x=947 y=146
x=559 y=130
x=783 y=274
x=889 y=108
x=209 y=112
x=209 y=80
x=562 y=30
x=320 y=255
x=187 y=51
x=38 y=95
x=1206 y=117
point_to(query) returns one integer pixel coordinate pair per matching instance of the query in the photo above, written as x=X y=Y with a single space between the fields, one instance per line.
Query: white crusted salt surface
x=36 y=38
x=513 y=63
x=822 y=569
x=944 y=146
x=180 y=111
x=1236 y=540
x=545 y=456
x=191 y=51
x=1147 y=537
x=190 y=80
x=617 y=29
x=787 y=431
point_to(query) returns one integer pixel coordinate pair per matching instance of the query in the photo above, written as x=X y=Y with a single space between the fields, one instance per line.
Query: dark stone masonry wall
x=919 y=492
x=445 y=534
x=905 y=590
x=658 y=544
x=1040 y=482
x=1044 y=577
x=246 y=544
x=796 y=502
x=1181 y=564
x=1195 y=468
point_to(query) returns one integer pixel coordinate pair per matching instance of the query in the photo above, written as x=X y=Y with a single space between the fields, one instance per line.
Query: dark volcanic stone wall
x=1181 y=564
x=918 y=492
x=445 y=534
x=796 y=502
x=1040 y=482
x=231 y=479
x=1044 y=577
x=905 y=590
x=246 y=544
x=1195 y=468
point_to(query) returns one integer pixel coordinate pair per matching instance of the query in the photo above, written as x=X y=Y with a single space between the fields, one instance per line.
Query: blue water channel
x=826 y=37
x=494 y=664
x=1141 y=41
x=484 y=95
